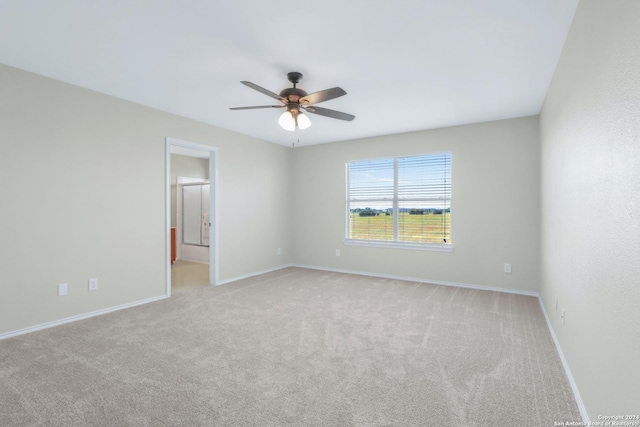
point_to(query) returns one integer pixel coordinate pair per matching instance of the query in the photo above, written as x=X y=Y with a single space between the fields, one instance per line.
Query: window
x=400 y=201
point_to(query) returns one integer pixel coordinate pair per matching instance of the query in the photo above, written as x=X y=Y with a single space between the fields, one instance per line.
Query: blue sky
x=419 y=177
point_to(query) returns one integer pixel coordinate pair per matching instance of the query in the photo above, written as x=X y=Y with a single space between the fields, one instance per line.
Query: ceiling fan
x=296 y=101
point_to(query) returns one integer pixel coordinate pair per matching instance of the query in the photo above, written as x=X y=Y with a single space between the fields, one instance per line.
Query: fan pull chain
x=297 y=138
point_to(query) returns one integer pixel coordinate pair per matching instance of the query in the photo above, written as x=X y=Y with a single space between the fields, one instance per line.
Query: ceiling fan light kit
x=303 y=121
x=296 y=101
x=287 y=122
x=290 y=119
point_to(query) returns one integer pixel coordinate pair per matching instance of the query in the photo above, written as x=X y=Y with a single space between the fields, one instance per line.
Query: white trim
x=434 y=247
x=567 y=370
x=565 y=364
x=213 y=217
x=420 y=280
x=182 y=144
x=196 y=150
x=255 y=273
x=167 y=209
x=347 y=193
x=183 y=150
x=396 y=203
x=79 y=317
x=395 y=243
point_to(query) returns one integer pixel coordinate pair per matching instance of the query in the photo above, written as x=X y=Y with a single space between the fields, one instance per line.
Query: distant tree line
x=370 y=212
x=430 y=211
x=389 y=211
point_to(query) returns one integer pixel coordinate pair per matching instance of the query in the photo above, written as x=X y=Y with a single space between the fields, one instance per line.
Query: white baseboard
x=565 y=364
x=255 y=273
x=78 y=317
x=120 y=307
x=567 y=370
x=420 y=280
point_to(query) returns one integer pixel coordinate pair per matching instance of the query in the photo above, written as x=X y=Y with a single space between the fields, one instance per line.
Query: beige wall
x=82 y=184
x=590 y=133
x=495 y=211
x=185 y=166
x=82 y=190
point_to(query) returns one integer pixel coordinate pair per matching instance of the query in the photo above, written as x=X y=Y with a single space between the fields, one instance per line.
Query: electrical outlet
x=62 y=289
x=507 y=268
x=93 y=284
x=279 y=251
x=337 y=252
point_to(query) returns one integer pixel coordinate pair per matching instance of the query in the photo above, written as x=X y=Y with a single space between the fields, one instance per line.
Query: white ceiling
x=406 y=64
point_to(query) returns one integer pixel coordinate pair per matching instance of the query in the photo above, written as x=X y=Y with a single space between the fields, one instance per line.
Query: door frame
x=193 y=149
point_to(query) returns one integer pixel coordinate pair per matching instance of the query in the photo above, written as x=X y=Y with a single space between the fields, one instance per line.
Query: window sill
x=434 y=247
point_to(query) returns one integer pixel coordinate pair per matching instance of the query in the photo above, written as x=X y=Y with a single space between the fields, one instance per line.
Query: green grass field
x=411 y=228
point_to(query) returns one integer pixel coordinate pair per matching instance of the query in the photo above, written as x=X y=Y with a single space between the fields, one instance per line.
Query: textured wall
x=590 y=133
x=494 y=206
x=82 y=184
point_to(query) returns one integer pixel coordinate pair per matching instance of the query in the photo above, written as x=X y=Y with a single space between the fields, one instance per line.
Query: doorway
x=192 y=219
x=201 y=204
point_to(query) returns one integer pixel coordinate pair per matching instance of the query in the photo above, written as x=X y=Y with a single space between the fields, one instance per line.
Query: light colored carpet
x=295 y=347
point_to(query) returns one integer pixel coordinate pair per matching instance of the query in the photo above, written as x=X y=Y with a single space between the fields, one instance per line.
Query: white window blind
x=400 y=200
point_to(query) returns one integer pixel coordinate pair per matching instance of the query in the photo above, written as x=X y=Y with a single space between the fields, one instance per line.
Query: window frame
x=395 y=243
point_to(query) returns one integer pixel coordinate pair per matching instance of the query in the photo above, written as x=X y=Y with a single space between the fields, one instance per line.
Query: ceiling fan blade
x=256 y=107
x=323 y=95
x=263 y=90
x=330 y=113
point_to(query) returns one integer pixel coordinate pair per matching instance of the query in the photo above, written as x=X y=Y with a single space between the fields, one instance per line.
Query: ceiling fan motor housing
x=293 y=94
